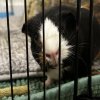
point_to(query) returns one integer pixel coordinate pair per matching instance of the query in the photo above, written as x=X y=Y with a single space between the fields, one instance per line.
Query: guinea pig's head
x=34 y=28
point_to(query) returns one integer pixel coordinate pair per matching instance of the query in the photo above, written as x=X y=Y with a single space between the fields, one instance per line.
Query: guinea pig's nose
x=54 y=60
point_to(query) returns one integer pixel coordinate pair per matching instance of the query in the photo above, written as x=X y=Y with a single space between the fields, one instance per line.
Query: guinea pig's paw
x=48 y=83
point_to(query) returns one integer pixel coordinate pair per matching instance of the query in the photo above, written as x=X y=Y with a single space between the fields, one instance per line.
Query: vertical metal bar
x=90 y=47
x=76 y=50
x=9 y=47
x=59 y=47
x=43 y=48
x=27 y=59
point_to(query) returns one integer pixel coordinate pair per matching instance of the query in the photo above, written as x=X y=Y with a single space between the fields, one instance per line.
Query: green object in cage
x=36 y=92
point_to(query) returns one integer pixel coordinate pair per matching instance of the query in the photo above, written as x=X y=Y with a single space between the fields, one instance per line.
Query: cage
x=20 y=75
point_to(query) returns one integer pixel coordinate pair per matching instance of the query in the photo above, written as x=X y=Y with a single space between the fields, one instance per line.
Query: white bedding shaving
x=18 y=52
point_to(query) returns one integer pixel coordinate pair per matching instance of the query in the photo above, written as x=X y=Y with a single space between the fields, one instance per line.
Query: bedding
x=18 y=52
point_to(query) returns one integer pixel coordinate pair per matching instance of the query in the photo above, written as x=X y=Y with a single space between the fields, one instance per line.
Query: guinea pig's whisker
x=72 y=37
x=37 y=42
x=79 y=57
x=84 y=44
x=38 y=58
x=37 y=53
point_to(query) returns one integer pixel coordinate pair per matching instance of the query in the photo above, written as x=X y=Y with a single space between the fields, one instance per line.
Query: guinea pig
x=68 y=31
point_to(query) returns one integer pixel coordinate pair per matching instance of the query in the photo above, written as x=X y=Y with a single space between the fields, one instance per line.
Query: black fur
x=68 y=30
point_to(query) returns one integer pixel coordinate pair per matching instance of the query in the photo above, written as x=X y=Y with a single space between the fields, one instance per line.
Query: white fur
x=54 y=74
x=51 y=36
x=52 y=45
x=52 y=39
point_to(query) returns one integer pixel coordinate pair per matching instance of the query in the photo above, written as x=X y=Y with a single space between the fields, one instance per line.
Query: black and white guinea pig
x=34 y=28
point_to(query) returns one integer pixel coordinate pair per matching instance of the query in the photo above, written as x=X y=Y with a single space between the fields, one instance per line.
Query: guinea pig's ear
x=31 y=26
x=26 y=29
x=70 y=20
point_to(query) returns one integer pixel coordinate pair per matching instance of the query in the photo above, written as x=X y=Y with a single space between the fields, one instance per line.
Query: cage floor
x=36 y=89
x=18 y=51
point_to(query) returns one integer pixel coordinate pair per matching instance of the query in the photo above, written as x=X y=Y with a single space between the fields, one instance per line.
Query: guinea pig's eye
x=48 y=55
